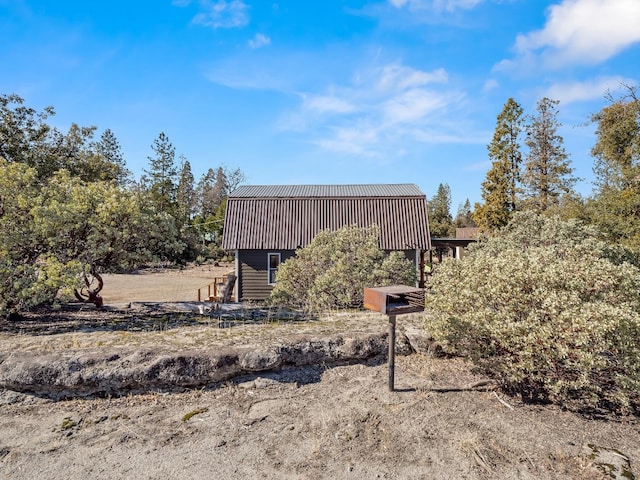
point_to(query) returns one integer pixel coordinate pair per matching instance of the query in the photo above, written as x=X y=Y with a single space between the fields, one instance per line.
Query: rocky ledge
x=122 y=371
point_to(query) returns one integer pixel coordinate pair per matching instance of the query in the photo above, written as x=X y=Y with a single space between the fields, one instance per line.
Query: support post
x=392 y=351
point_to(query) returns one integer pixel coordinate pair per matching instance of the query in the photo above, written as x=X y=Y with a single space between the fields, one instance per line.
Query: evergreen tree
x=220 y=188
x=205 y=202
x=547 y=171
x=108 y=148
x=500 y=188
x=160 y=179
x=186 y=192
x=440 y=221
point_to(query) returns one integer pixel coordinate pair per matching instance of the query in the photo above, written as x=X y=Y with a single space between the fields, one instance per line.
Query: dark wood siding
x=252 y=281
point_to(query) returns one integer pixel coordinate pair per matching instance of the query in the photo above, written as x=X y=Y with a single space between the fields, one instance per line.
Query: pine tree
x=205 y=204
x=440 y=221
x=160 y=179
x=500 y=188
x=547 y=171
x=109 y=149
x=185 y=194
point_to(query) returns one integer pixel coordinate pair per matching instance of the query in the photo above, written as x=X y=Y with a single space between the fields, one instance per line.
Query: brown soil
x=312 y=422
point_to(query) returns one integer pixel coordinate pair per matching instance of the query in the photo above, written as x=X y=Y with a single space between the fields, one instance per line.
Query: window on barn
x=272 y=267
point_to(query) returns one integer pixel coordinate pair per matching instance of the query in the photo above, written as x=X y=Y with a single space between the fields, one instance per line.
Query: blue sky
x=310 y=91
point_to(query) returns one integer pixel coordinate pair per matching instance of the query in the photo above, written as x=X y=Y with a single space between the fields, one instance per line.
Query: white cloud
x=259 y=41
x=381 y=111
x=222 y=14
x=328 y=104
x=585 y=91
x=354 y=140
x=397 y=76
x=583 y=31
x=451 y=5
x=490 y=84
x=412 y=106
x=437 y=5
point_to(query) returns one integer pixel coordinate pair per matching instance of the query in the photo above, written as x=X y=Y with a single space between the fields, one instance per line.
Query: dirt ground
x=162 y=285
x=313 y=422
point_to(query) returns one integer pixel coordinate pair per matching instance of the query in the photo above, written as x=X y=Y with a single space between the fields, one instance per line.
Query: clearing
x=316 y=421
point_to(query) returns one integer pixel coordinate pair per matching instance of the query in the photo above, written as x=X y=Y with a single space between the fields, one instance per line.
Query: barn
x=266 y=224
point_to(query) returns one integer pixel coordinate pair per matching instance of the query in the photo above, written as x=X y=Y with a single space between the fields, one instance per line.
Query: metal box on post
x=394 y=300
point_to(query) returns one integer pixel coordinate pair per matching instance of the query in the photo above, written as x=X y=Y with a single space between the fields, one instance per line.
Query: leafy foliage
x=68 y=205
x=333 y=270
x=26 y=138
x=55 y=229
x=547 y=308
x=615 y=208
x=29 y=274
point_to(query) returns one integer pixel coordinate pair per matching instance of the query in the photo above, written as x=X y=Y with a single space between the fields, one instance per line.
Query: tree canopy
x=69 y=205
x=615 y=207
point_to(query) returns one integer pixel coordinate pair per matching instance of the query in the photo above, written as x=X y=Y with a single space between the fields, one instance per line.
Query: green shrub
x=333 y=270
x=549 y=310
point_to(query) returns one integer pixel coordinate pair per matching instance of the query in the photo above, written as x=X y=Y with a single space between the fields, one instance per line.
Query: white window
x=273 y=262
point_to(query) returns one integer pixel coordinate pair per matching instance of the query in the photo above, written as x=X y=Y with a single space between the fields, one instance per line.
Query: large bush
x=333 y=270
x=51 y=230
x=549 y=310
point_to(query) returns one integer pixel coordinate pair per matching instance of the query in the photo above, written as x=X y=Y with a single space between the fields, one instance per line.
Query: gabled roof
x=287 y=217
x=336 y=191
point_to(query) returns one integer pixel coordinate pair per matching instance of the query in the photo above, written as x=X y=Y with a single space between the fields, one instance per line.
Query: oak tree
x=615 y=207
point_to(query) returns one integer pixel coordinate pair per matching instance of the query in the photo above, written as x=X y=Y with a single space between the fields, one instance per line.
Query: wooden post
x=392 y=351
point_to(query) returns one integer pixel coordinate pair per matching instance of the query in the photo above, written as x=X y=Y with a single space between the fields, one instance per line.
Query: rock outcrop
x=121 y=371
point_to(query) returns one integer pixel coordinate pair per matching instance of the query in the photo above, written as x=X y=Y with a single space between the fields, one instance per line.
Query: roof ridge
x=328 y=190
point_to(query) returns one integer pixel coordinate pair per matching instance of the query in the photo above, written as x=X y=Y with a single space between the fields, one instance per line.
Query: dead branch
x=87 y=294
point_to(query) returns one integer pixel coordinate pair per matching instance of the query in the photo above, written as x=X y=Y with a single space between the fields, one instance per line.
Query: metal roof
x=336 y=191
x=287 y=217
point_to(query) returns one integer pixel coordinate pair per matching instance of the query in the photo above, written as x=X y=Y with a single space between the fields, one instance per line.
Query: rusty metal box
x=394 y=300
